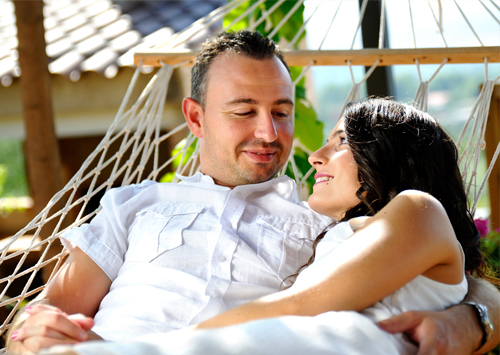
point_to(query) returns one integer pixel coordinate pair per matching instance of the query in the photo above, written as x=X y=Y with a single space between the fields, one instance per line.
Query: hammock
x=137 y=135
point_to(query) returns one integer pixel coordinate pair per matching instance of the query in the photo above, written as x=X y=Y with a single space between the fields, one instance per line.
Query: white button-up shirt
x=178 y=254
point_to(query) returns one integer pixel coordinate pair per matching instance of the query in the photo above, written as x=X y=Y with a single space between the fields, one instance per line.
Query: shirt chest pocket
x=284 y=245
x=159 y=228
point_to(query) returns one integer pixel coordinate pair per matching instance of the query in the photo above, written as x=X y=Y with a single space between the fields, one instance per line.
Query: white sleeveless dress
x=421 y=293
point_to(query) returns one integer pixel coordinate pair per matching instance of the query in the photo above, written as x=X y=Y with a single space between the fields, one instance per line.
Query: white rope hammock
x=137 y=137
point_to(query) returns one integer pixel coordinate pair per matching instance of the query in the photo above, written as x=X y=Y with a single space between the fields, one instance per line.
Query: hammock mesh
x=130 y=150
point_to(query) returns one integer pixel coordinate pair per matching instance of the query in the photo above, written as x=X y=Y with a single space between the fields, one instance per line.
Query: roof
x=98 y=35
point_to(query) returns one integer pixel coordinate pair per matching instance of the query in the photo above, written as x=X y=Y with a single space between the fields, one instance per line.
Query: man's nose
x=266 y=129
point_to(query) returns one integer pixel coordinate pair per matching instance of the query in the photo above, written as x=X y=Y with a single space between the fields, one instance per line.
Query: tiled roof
x=98 y=35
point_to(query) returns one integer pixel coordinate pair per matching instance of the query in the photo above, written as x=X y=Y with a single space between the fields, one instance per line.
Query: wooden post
x=492 y=139
x=41 y=149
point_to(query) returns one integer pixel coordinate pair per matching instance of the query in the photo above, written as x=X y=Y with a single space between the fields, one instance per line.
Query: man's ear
x=193 y=113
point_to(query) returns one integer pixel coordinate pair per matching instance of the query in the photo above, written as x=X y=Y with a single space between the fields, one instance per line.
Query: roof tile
x=116 y=28
x=91 y=45
x=54 y=34
x=58 y=48
x=99 y=6
x=66 y=63
x=7 y=65
x=107 y=17
x=125 y=41
x=99 y=61
x=73 y=22
x=82 y=33
x=98 y=35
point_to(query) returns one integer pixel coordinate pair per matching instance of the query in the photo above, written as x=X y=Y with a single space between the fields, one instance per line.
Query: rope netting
x=131 y=150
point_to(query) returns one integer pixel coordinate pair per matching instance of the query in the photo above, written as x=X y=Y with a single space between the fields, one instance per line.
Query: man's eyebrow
x=283 y=102
x=255 y=102
x=242 y=101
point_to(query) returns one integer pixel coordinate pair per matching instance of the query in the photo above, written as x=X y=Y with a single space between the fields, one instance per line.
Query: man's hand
x=438 y=333
x=45 y=326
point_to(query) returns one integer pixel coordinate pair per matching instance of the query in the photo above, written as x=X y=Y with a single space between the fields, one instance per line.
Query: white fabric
x=345 y=332
x=421 y=293
x=178 y=254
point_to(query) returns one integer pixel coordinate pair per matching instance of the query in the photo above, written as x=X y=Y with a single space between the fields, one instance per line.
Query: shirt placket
x=220 y=265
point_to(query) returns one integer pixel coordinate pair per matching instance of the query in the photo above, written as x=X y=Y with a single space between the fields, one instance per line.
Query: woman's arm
x=409 y=237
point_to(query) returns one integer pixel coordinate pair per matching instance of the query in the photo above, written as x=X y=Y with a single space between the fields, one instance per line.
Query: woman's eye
x=343 y=140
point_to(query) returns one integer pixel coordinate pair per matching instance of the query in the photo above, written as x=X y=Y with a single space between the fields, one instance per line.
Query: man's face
x=246 y=129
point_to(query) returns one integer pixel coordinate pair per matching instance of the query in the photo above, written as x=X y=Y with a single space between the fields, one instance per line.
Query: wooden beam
x=492 y=138
x=365 y=57
x=41 y=148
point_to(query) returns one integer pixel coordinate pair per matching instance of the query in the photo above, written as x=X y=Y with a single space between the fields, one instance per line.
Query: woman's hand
x=45 y=326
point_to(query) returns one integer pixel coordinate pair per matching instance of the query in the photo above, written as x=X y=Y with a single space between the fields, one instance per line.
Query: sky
x=456 y=32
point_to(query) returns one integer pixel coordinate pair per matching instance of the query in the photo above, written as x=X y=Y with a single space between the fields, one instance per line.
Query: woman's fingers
x=46 y=326
x=86 y=323
x=37 y=343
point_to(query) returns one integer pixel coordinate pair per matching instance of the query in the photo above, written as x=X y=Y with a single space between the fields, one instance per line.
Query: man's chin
x=259 y=177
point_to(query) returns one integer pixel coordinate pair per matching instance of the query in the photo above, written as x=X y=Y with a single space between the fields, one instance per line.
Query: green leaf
x=3 y=177
x=307 y=127
x=168 y=177
x=234 y=14
x=303 y=166
x=290 y=28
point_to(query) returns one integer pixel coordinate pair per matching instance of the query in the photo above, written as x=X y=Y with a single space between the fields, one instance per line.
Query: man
x=161 y=257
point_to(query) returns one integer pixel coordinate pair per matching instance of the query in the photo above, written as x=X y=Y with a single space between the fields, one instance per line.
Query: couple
x=161 y=257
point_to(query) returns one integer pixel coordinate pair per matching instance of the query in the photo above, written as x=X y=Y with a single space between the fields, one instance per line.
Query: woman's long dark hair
x=397 y=147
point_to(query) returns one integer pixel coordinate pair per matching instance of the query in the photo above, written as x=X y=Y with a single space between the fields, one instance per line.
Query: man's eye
x=282 y=115
x=243 y=113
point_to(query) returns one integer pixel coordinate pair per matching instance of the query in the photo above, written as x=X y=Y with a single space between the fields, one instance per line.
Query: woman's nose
x=317 y=158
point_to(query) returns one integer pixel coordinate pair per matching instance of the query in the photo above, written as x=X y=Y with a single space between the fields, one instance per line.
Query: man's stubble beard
x=233 y=172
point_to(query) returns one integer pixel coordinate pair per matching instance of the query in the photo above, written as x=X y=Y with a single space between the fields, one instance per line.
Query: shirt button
x=222 y=259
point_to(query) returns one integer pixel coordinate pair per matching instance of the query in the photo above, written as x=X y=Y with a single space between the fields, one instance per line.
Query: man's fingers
x=401 y=323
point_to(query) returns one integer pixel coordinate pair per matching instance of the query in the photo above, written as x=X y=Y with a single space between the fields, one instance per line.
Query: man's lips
x=261 y=156
x=322 y=177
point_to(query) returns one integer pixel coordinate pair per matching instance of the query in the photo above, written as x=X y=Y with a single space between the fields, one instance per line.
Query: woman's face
x=336 y=176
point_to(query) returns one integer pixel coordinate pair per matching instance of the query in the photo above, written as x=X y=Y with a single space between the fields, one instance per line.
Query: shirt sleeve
x=105 y=238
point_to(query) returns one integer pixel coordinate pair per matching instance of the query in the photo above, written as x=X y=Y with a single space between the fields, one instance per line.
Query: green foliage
x=287 y=31
x=13 y=182
x=3 y=177
x=168 y=177
x=490 y=246
x=303 y=167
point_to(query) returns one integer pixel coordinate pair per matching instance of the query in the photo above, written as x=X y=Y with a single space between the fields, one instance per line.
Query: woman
x=389 y=173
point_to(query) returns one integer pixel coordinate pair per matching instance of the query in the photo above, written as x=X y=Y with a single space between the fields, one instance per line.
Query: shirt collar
x=284 y=185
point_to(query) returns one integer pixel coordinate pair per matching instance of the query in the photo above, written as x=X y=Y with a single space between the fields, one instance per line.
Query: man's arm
x=438 y=333
x=481 y=291
x=78 y=287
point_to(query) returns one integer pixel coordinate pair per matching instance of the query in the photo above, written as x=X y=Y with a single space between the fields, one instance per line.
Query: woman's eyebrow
x=335 y=134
